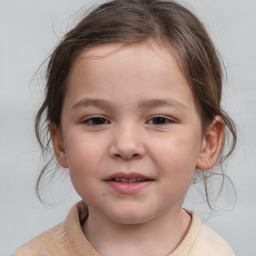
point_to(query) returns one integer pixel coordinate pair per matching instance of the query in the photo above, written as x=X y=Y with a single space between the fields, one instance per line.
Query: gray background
x=29 y=30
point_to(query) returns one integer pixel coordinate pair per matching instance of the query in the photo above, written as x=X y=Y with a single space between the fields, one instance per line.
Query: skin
x=129 y=109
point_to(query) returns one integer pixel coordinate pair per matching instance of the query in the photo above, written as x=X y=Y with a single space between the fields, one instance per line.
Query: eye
x=160 y=120
x=96 y=121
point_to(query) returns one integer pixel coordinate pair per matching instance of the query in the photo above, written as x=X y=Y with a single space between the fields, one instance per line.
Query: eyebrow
x=152 y=103
x=91 y=102
x=144 y=103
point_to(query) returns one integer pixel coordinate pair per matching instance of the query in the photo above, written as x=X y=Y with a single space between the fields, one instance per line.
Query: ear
x=57 y=142
x=211 y=144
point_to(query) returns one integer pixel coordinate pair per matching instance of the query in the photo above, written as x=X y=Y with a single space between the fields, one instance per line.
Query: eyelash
x=162 y=119
x=99 y=120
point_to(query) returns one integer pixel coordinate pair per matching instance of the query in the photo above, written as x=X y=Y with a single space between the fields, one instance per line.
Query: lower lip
x=129 y=188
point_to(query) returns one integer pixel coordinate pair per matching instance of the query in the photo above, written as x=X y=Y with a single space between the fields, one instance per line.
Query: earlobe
x=212 y=144
x=58 y=146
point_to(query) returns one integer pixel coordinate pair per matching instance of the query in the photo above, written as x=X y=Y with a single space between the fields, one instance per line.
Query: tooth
x=132 y=180
x=124 y=180
x=118 y=179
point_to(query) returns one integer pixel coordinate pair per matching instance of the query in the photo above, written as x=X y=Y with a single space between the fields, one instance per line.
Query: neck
x=155 y=237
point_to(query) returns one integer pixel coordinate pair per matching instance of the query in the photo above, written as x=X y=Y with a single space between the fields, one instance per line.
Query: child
x=133 y=109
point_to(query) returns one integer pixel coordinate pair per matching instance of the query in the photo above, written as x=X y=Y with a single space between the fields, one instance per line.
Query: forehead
x=146 y=56
x=147 y=68
x=107 y=50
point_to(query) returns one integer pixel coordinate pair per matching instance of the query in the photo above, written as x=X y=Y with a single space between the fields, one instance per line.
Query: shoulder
x=48 y=243
x=201 y=240
x=65 y=239
x=210 y=243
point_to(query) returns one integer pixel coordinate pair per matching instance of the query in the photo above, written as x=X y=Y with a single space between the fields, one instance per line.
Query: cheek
x=176 y=159
x=84 y=157
x=81 y=149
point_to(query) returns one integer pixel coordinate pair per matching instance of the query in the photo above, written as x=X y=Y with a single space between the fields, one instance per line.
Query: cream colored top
x=68 y=239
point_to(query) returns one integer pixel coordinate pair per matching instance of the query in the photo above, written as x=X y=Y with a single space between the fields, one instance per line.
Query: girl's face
x=131 y=136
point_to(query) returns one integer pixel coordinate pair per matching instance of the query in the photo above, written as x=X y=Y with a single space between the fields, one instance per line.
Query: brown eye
x=160 y=120
x=96 y=121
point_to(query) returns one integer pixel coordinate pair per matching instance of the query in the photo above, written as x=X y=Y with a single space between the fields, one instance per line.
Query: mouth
x=129 y=180
x=128 y=183
x=128 y=177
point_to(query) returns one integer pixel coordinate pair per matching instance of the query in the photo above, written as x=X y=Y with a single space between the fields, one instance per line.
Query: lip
x=128 y=183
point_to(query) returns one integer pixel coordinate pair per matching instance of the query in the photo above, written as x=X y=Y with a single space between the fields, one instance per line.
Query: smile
x=132 y=180
x=128 y=183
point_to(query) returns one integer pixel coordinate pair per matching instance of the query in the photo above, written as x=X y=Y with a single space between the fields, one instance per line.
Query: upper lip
x=130 y=175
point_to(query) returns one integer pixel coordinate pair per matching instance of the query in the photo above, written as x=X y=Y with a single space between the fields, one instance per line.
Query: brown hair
x=135 y=21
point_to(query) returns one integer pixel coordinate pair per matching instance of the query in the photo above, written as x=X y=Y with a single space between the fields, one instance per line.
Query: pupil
x=159 y=120
x=98 y=120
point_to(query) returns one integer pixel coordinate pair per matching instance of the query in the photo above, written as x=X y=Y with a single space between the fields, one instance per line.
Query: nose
x=127 y=143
